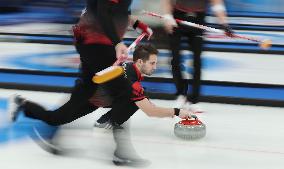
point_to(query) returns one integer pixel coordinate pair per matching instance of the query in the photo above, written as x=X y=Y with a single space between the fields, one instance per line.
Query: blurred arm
x=154 y=111
x=105 y=18
x=168 y=19
x=167 y=6
x=219 y=10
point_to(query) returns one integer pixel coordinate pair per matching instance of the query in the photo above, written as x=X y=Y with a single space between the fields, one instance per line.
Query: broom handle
x=207 y=28
x=132 y=46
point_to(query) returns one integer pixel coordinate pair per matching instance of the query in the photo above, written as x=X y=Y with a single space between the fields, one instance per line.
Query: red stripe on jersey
x=96 y=38
x=137 y=91
x=138 y=73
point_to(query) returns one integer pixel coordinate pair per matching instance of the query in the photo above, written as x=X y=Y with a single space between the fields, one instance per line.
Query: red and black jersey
x=102 y=98
x=135 y=77
x=103 y=22
x=191 y=5
x=191 y=11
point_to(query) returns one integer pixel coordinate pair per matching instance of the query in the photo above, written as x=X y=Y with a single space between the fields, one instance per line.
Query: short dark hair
x=144 y=51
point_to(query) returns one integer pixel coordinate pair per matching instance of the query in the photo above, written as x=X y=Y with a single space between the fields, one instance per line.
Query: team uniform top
x=190 y=5
x=134 y=76
x=95 y=27
x=102 y=98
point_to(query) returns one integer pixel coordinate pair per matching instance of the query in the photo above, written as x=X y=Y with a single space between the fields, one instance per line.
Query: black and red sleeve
x=106 y=20
x=137 y=92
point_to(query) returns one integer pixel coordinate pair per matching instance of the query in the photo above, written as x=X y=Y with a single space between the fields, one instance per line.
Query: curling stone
x=190 y=129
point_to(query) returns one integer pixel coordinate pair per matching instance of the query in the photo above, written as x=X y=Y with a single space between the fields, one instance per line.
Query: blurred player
x=98 y=39
x=144 y=63
x=192 y=11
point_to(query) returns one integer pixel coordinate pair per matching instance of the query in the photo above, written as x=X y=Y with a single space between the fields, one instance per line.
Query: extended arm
x=219 y=10
x=155 y=111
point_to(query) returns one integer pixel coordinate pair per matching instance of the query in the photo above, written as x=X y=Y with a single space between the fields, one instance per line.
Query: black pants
x=93 y=59
x=195 y=42
x=128 y=108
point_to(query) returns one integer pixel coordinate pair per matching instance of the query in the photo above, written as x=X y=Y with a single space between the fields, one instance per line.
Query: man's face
x=149 y=66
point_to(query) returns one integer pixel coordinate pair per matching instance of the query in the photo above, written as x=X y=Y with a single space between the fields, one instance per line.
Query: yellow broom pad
x=107 y=74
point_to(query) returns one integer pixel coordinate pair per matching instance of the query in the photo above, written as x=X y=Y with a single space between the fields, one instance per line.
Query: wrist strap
x=218 y=8
x=176 y=111
x=136 y=24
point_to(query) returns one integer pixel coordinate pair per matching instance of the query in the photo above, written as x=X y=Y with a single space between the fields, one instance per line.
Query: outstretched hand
x=186 y=114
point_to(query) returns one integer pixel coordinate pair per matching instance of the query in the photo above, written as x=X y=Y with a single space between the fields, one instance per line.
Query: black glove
x=228 y=30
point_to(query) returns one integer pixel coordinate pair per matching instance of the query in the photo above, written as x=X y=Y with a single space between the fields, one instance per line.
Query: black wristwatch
x=177 y=110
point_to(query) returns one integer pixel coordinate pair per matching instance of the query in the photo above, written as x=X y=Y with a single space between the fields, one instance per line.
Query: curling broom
x=264 y=44
x=115 y=70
